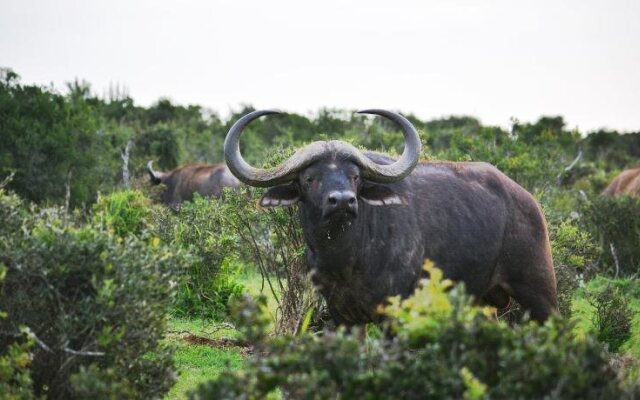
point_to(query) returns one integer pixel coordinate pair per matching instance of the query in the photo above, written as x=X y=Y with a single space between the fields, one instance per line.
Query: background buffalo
x=181 y=183
x=626 y=183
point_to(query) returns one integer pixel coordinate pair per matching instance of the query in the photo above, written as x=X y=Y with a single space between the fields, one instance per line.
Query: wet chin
x=340 y=217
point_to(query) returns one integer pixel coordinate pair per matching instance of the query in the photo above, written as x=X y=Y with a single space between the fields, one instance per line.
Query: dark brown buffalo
x=182 y=182
x=627 y=183
x=370 y=221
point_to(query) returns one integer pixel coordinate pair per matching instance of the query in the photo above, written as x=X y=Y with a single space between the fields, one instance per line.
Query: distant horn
x=156 y=176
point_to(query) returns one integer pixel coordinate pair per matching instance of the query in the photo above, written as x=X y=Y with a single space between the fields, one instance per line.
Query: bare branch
x=124 y=155
x=84 y=353
x=614 y=253
x=67 y=196
x=31 y=335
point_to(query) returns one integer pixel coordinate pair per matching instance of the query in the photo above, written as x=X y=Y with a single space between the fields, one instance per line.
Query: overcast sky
x=490 y=59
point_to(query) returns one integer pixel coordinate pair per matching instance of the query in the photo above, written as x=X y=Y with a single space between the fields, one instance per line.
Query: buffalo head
x=328 y=177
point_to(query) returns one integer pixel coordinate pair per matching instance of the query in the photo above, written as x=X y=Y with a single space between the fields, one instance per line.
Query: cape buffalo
x=182 y=182
x=370 y=221
x=627 y=183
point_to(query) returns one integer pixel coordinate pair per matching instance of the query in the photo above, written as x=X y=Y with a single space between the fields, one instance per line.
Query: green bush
x=212 y=277
x=101 y=383
x=229 y=234
x=93 y=304
x=125 y=212
x=612 y=318
x=616 y=222
x=273 y=238
x=574 y=257
x=442 y=347
x=15 y=377
x=50 y=141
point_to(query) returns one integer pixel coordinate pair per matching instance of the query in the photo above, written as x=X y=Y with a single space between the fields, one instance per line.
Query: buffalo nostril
x=341 y=199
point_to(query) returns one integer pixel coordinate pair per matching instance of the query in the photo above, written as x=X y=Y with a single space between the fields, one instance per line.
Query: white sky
x=489 y=59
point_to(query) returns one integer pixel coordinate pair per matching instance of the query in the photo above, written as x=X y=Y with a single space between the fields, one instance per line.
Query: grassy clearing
x=197 y=363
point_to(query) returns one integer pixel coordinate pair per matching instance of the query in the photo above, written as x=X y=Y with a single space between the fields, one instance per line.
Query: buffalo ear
x=282 y=195
x=379 y=195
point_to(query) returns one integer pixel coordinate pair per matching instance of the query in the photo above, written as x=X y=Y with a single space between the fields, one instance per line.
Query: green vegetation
x=125 y=212
x=443 y=348
x=15 y=376
x=54 y=142
x=108 y=294
x=213 y=275
x=616 y=222
x=585 y=310
x=93 y=305
x=574 y=257
x=202 y=351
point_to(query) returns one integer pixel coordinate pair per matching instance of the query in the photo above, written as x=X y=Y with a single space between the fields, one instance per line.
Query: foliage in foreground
x=442 y=347
x=15 y=377
x=93 y=305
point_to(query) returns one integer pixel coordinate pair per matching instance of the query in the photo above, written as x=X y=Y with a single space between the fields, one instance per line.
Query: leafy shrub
x=251 y=317
x=574 y=256
x=228 y=234
x=100 y=383
x=616 y=222
x=443 y=347
x=15 y=377
x=93 y=304
x=125 y=212
x=273 y=238
x=595 y=182
x=612 y=319
x=50 y=141
x=11 y=213
x=212 y=277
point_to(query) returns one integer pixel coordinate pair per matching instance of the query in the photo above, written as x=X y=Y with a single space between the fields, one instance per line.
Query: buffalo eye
x=308 y=180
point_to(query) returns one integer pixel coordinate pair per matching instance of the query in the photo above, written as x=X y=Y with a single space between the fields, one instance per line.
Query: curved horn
x=288 y=170
x=156 y=176
x=407 y=161
x=264 y=177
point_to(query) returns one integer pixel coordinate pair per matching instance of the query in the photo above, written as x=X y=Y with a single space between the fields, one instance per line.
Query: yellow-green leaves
x=430 y=308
